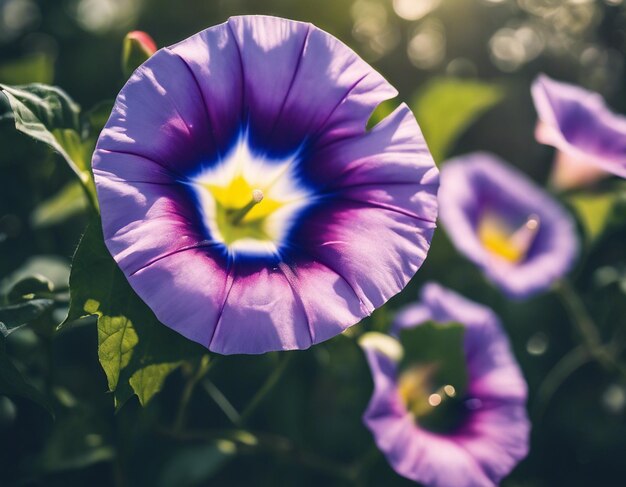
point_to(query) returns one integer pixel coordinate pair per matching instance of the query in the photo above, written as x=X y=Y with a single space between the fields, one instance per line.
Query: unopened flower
x=490 y=433
x=520 y=237
x=243 y=197
x=136 y=49
x=589 y=137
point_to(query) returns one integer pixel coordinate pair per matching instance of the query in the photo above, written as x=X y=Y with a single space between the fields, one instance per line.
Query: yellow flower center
x=510 y=245
x=241 y=211
x=248 y=200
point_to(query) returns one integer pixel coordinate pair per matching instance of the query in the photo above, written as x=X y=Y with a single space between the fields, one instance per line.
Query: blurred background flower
x=486 y=428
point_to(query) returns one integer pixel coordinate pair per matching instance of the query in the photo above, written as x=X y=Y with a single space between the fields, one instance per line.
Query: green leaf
x=446 y=107
x=593 y=211
x=48 y=114
x=136 y=351
x=12 y=383
x=15 y=316
x=67 y=203
x=77 y=440
x=195 y=465
x=381 y=112
x=34 y=68
x=440 y=345
x=29 y=287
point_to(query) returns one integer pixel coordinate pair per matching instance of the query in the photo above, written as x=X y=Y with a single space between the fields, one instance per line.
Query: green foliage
x=438 y=344
x=68 y=202
x=194 y=465
x=14 y=316
x=35 y=68
x=446 y=107
x=47 y=114
x=75 y=442
x=135 y=350
x=593 y=211
x=13 y=383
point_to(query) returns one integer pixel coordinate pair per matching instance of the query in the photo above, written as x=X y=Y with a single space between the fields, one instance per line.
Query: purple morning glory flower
x=590 y=138
x=520 y=237
x=493 y=432
x=243 y=197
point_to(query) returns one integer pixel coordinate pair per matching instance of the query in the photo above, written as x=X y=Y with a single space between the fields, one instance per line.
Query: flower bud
x=137 y=48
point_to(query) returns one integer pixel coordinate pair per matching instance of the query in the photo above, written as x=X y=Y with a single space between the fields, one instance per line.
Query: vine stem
x=193 y=379
x=272 y=444
x=587 y=328
x=265 y=389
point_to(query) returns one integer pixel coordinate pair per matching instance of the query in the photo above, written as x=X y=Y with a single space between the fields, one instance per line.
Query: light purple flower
x=492 y=436
x=520 y=237
x=243 y=197
x=591 y=139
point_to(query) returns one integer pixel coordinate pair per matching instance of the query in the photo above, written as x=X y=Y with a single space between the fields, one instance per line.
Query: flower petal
x=347 y=237
x=578 y=122
x=155 y=116
x=472 y=183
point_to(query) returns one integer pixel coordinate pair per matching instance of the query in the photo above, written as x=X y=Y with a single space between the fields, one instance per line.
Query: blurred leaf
x=76 y=442
x=29 y=287
x=12 y=317
x=381 y=112
x=446 y=107
x=136 y=351
x=97 y=117
x=593 y=211
x=195 y=465
x=68 y=202
x=34 y=68
x=49 y=115
x=51 y=267
x=440 y=345
x=12 y=383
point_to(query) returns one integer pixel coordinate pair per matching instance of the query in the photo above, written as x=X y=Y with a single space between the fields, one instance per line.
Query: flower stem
x=222 y=401
x=586 y=327
x=192 y=380
x=273 y=444
x=265 y=389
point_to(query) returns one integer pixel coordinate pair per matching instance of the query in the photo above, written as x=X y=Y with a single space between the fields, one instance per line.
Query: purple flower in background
x=493 y=432
x=521 y=238
x=243 y=197
x=591 y=140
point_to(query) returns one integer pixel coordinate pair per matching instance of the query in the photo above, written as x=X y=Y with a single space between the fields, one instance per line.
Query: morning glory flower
x=589 y=137
x=491 y=433
x=520 y=237
x=243 y=197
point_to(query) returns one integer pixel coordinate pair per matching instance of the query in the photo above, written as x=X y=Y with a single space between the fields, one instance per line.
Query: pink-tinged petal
x=578 y=123
x=261 y=311
x=497 y=438
x=414 y=453
x=186 y=290
x=156 y=116
x=328 y=300
x=571 y=171
x=347 y=236
x=494 y=435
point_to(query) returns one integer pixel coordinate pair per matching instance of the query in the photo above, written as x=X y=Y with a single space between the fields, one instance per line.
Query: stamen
x=512 y=246
x=238 y=215
x=525 y=235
